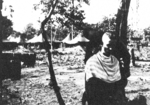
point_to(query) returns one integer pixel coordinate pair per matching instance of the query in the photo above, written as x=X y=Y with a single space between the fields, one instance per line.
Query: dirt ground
x=33 y=87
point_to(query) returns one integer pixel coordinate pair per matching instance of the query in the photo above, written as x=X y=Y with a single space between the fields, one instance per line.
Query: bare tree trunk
x=121 y=21
x=51 y=70
x=121 y=27
x=1 y=2
x=121 y=34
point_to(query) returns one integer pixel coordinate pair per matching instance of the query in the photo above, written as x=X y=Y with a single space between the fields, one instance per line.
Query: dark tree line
x=6 y=27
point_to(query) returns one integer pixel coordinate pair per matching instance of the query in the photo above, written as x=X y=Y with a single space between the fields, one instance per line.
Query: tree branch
x=49 y=14
x=53 y=81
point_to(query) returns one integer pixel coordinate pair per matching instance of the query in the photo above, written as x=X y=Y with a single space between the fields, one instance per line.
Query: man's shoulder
x=93 y=58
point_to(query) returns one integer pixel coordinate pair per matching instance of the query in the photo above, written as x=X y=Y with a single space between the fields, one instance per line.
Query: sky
x=25 y=14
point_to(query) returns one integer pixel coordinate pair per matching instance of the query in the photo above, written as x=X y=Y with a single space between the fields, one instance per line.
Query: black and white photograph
x=74 y=52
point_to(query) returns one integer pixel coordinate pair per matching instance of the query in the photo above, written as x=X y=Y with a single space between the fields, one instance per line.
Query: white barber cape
x=103 y=67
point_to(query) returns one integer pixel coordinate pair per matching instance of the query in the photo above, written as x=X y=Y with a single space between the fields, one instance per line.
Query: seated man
x=103 y=75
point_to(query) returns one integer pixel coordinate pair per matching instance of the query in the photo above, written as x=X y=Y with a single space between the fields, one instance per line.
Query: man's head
x=109 y=42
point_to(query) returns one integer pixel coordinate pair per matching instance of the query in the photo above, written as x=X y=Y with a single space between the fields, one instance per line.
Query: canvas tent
x=67 y=39
x=14 y=39
x=11 y=42
x=36 y=39
x=79 y=38
x=39 y=38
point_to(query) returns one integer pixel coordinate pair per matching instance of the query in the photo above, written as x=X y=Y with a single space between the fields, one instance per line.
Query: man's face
x=108 y=45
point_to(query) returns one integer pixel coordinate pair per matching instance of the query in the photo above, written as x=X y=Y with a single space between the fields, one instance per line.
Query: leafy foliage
x=6 y=27
x=107 y=24
x=147 y=31
x=29 y=32
x=65 y=13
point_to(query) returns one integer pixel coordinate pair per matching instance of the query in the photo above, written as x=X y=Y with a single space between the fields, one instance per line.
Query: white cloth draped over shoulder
x=102 y=67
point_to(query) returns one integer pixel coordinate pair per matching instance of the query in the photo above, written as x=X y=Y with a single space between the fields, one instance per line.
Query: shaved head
x=107 y=36
x=109 y=43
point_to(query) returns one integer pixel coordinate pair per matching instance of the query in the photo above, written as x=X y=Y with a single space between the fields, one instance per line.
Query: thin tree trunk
x=121 y=21
x=51 y=70
x=1 y=50
x=121 y=32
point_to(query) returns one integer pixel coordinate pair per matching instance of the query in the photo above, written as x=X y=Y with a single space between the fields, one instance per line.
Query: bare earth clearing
x=33 y=88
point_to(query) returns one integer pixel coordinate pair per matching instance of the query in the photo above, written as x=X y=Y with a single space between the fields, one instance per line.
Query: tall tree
x=1 y=2
x=121 y=20
x=51 y=8
x=121 y=34
x=64 y=14
x=51 y=71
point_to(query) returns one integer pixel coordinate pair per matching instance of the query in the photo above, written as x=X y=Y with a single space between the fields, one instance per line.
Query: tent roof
x=14 y=39
x=77 y=39
x=67 y=39
x=5 y=40
x=40 y=39
x=36 y=39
